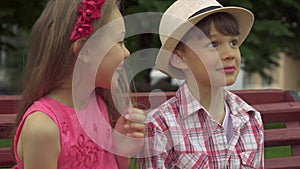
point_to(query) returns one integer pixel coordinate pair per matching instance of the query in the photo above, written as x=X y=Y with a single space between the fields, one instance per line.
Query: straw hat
x=181 y=16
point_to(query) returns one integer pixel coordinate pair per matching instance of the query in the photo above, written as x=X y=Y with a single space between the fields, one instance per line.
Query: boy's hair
x=50 y=59
x=182 y=15
x=224 y=22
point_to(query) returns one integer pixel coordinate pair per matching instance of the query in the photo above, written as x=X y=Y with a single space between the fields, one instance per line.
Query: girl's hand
x=128 y=133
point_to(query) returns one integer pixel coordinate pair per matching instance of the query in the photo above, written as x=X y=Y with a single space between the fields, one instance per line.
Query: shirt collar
x=238 y=107
x=189 y=104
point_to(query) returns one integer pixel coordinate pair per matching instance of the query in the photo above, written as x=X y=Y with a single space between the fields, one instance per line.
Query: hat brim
x=244 y=18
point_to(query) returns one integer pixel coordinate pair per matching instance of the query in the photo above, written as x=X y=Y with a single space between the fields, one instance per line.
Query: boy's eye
x=213 y=45
x=234 y=43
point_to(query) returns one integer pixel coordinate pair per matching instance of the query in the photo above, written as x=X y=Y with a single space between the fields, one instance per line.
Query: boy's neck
x=212 y=99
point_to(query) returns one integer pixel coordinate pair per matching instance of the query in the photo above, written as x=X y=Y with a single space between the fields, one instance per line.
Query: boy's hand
x=129 y=133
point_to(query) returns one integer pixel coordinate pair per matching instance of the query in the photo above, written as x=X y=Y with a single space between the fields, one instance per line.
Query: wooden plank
x=282 y=137
x=252 y=97
x=279 y=112
x=8 y=104
x=275 y=106
x=294 y=148
x=7 y=118
x=151 y=100
x=295 y=95
x=6 y=125
x=283 y=163
x=9 y=98
x=6 y=158
x=6 y=131
x=262 y=96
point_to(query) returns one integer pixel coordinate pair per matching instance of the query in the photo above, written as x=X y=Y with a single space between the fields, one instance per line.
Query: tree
x=144 y=41
x=16 y=19
x=275 y=30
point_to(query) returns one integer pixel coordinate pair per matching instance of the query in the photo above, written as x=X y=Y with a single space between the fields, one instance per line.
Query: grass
x=279 y=151
x=5 y=143
x=273 y=126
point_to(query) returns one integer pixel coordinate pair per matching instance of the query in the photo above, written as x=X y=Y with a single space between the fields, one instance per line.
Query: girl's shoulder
x=38 y=125
x=39 y=131
x=47 y=108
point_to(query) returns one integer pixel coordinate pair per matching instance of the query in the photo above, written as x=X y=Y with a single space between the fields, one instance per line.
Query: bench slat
x=282 y=136
x=263 y=96
x=6 y=131
x=283 y=163
x=275 y=112
x=274 y=105
x=8 y=104
x=7 y=119
x=6 y=157
x=279 y=112
x=6 y=125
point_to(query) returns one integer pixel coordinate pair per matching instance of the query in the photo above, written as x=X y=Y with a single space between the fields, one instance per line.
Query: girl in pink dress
x=72 y=114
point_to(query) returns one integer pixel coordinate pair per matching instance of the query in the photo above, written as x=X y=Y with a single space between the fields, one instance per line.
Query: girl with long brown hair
x=53 y=128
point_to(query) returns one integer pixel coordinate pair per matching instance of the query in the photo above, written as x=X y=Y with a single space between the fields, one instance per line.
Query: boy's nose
x=227 y=53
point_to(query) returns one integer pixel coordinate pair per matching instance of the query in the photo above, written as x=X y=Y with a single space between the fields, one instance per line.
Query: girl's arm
x=39 y=142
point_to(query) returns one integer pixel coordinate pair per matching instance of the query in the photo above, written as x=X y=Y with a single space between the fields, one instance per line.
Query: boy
x=203 y=125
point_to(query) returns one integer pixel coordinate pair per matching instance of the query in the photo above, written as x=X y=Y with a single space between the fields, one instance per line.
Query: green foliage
x=16 y=19
x=15 y=59
x=276 y=28
x=146 y=40
x=5 y=143
x=136 y=6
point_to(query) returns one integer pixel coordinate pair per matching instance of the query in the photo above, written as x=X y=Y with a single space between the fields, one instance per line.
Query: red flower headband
x=88 y=11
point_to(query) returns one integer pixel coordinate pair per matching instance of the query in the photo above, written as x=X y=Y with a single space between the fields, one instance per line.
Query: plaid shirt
x=181 y=134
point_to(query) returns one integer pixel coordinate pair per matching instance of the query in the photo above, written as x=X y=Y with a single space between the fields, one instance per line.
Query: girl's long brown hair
x=50 y=59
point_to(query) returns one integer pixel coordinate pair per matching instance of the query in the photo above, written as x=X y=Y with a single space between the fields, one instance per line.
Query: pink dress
x=85 y=136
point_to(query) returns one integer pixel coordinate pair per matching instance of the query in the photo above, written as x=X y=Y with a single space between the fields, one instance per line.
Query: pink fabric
x=80 y=148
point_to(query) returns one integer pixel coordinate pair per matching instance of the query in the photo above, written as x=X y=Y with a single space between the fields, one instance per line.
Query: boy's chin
x=224 y=84
x=230 y=82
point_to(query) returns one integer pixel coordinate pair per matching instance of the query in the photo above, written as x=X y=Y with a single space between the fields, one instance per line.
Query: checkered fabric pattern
x=181 y=134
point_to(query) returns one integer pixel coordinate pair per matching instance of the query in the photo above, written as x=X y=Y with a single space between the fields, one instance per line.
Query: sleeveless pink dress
x=85 y=136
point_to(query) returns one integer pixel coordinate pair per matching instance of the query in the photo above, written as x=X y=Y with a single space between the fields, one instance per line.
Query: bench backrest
x=275 y=106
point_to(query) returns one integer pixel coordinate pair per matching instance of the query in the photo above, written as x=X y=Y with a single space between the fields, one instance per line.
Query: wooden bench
x=276 y=106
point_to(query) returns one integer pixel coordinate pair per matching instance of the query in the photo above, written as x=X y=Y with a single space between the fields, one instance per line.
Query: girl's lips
x=227 y=69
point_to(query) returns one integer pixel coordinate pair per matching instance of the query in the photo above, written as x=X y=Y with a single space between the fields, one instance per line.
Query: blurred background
x=271 y=53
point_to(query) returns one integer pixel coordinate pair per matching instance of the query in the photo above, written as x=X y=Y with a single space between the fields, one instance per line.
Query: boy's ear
x=176 y=60
x=77 y=45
